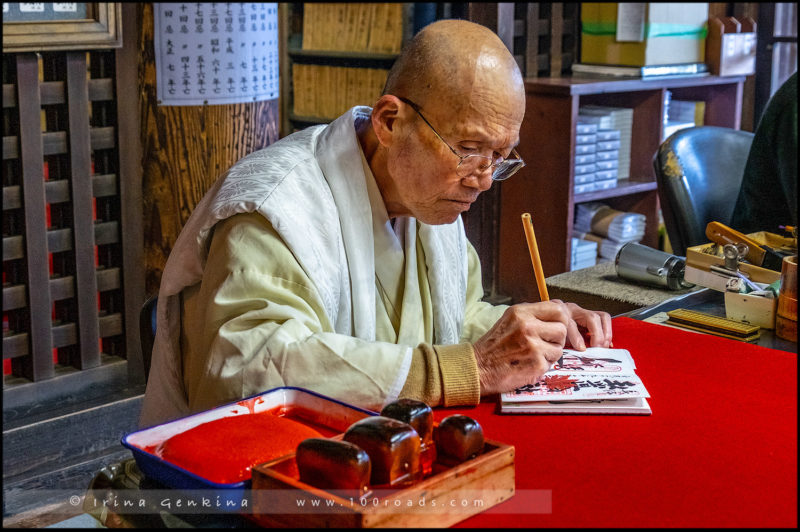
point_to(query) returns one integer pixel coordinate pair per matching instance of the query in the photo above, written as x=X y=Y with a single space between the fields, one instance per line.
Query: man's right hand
x=529 y=337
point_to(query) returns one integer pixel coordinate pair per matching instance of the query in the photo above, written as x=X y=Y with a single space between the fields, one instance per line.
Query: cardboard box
x=643 y=34
x=731 y=46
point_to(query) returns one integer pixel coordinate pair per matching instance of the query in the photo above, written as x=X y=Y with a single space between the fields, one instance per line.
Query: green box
x=668 y=33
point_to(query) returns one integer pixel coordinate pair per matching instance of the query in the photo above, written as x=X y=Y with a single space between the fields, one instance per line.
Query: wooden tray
x=280 y=499
x=702 y=256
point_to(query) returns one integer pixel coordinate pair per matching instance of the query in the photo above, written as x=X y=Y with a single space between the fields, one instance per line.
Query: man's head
x=462 y=79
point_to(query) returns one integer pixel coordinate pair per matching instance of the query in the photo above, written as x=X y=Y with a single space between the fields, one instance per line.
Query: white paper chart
x=213 y=53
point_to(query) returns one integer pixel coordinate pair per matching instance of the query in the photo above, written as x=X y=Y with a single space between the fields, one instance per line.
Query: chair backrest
x=699 y=172
x=147 y=332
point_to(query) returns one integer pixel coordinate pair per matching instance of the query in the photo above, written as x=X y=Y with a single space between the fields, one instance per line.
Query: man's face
x=424 y=169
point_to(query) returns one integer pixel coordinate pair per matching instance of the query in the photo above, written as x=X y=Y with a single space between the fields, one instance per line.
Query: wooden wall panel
x=62 y=233
x=39 y=364
x=81 y=171
x=185 y=149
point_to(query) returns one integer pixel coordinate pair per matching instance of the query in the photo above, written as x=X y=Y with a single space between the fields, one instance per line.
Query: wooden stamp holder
x=280 y=499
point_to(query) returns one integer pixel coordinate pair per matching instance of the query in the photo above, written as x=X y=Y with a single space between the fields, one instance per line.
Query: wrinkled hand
x=529 y=337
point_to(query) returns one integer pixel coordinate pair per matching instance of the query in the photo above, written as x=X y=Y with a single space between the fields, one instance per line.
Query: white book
x=638 y=406
x=673 y=126
x=594 y=380
x=650 y=71
x=573 y=386
x=582 y=265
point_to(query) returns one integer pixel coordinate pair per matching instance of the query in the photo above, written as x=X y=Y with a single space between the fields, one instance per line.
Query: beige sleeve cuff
x=443 y=374
x=423 y=382
x=460 y=380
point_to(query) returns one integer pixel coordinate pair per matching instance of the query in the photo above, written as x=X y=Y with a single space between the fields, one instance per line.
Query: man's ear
x=385 y=113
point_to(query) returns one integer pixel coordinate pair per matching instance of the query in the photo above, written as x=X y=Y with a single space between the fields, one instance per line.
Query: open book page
x=596 y=373
x=595 y=360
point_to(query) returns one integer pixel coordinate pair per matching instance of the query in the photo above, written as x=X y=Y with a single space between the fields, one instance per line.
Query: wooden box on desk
x=753 y=310
x=699 y=260
x=488 y=478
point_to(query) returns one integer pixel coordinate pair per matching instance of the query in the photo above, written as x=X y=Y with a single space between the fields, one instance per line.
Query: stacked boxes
x=636 y=34
x=607 y=157
x=607 y=154
x=584 y=254
x=585 y=147
x=620 y=118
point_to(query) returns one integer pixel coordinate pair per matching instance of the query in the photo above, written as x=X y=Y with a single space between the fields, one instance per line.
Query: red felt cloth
x=719 y=450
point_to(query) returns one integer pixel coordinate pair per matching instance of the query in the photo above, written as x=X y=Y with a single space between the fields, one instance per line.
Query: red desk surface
x=720 y=448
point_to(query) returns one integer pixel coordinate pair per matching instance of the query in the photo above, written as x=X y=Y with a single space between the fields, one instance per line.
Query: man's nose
x=480 y=179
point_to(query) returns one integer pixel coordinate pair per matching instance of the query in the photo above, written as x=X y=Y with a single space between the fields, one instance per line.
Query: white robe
x=304 y=184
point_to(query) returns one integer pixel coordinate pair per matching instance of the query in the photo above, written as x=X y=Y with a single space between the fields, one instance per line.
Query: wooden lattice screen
x=63 y=305
x=546 y=38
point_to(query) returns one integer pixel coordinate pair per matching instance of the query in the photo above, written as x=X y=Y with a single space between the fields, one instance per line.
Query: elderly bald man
x=336 y=259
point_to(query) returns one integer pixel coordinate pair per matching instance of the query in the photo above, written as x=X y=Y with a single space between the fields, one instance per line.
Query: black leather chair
x=147 y=332
x=699 y=171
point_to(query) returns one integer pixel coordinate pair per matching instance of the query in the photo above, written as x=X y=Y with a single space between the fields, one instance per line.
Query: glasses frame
x=518 y=162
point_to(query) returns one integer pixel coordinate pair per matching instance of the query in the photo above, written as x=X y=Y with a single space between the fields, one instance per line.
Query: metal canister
x=643 y=264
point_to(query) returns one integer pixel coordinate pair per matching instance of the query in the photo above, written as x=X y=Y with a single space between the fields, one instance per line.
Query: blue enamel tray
x=329 y=413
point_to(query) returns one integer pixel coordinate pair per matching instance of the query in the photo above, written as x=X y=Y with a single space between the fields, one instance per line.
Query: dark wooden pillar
x=482 y=221
x=185 y=149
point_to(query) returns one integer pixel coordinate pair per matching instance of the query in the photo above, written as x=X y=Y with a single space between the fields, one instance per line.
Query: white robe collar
x=312 y=188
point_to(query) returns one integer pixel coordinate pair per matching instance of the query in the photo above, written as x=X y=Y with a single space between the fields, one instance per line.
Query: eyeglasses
x=469 y=164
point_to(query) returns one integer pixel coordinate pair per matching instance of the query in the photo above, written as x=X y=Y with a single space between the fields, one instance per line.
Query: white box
x=602 y=175
x=611 y=155
x=604 y=184
x=608 y=145
x=753 y=310
x=607 y=165
x=583 y=128
x=608 y=134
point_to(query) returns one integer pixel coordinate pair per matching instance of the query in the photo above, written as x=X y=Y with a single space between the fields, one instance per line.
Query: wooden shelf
x=624 y=187
x=291 y=27
x=585 y=85
x=339 y=54
x=544 y=187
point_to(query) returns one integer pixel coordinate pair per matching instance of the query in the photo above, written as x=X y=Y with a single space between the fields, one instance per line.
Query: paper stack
x=608 y=227
x=584 y=254
x=682 y=114
x=612 y=118
x=595 y=381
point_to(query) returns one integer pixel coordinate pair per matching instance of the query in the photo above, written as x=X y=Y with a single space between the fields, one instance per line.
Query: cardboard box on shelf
x=731 y=46
x=642 y=34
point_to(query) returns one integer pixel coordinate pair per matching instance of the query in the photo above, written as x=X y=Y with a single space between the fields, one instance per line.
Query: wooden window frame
x=765 y=75
x=101 y=29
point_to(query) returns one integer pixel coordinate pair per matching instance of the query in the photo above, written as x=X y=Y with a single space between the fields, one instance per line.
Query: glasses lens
x=506 y=169
x=473 y=164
